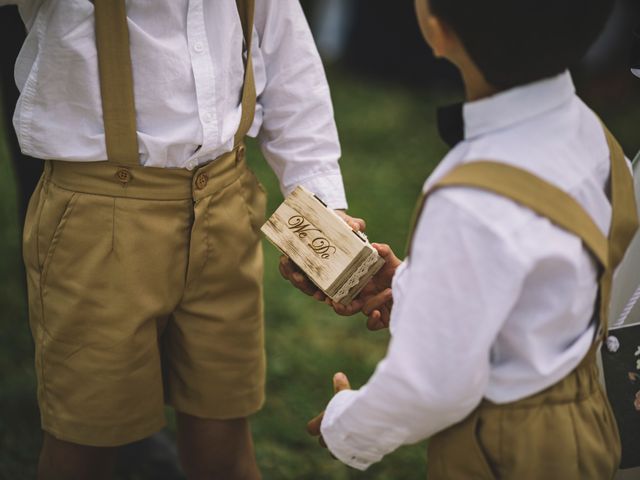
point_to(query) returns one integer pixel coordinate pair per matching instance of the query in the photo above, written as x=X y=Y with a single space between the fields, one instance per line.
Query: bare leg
x=60 y=460
x=216 y=449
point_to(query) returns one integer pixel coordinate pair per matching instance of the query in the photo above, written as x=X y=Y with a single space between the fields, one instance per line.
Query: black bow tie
x=451 y=124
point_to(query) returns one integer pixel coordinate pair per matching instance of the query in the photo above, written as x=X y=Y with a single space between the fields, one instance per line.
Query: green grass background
x=390 y=145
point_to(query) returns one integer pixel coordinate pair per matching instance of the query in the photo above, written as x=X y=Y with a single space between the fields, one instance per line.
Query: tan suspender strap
x=559 y=207
x=548 y=201
x=116 y=81
x=624 y=223
x=246 y=10
x=534 y=193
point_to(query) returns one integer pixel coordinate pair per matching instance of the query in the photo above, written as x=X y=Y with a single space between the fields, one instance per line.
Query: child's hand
x=383 y=278
x=357 y=224
x=376 y=299
x=377 y=308
x=375 y=305
x=340 y=383
x=292 y=273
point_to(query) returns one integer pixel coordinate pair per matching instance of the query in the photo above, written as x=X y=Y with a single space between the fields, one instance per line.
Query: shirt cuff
x=328 y=187
x=336 y=437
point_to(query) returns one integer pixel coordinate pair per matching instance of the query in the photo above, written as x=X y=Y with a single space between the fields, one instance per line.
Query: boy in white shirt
x=495 y=312
x=141 y=242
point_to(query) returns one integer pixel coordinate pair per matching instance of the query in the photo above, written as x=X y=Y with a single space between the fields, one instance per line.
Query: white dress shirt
x=495 y=302
x=188 y=74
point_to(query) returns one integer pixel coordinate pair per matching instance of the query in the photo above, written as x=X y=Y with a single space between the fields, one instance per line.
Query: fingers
x=321 y=297
x=285 y=268
x=367 y=304
x=383 y=249
x=292 y=273
x=347 y=310
x=340 y=382
x=378 y=320
x=377 y=301
x=374 y=321
x=385 y=252
x=391 y=263
x=358 y=224
x=313 y=427
x=281 y=267
x=378 y=310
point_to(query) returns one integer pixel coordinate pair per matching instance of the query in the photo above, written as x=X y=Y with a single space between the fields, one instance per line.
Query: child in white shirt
x=492 y=314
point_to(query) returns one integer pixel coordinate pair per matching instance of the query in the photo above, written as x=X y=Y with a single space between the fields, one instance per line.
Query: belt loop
x=48 y=168
x=46 y=175
x=240 y=154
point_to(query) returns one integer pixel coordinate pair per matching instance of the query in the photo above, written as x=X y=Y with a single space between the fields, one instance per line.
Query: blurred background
x=386 y=87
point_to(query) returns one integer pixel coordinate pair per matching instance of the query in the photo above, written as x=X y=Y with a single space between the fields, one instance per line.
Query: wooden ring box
x=337 y=259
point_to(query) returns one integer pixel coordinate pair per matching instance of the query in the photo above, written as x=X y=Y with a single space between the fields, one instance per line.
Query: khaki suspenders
x=116 y=79
x=116 y=82
x=246 y=9
x=559 y=207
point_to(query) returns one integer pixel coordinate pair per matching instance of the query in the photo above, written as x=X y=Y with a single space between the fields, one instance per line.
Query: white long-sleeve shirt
x=495 y=301
x=188 y=74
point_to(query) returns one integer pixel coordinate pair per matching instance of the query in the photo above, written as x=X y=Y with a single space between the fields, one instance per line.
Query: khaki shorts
x=566 y=432
x=145 y=288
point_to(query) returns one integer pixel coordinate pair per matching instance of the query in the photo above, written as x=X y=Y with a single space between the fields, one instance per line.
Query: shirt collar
x=474 y=119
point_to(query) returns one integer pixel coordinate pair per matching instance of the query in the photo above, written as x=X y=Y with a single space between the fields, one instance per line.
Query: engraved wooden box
x=339 y=260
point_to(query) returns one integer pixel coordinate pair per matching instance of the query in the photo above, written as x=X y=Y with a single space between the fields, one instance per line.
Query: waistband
x=147 y=183
x=579 y=385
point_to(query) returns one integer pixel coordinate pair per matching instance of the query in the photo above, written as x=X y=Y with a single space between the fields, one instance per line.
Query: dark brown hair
x=514 y=42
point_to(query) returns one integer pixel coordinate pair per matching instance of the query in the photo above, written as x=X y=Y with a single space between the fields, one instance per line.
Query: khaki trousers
x=566 y=432
x=145 y=287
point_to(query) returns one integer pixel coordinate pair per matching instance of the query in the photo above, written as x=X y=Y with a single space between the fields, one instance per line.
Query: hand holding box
x=337 y=259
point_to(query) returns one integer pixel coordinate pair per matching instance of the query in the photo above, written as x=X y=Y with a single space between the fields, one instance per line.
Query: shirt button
x=191 y=165
x=198 y=47
x=123 y=175
x=207 y=117
x=201 y=181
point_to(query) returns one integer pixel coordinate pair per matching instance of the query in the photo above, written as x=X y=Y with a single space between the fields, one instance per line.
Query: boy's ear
x=438 y=35
x=445 y=41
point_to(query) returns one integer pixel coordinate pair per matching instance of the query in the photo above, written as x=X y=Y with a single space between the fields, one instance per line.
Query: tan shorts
x=566 y=432
x=145 y=287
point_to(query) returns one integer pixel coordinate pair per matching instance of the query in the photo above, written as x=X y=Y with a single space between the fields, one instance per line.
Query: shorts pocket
x=30 y=230
x=255 y=198
x=456 y=453
x=56 y=210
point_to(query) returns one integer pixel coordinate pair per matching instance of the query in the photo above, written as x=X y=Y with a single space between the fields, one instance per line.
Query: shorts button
x=201 y=181
x=123 y=175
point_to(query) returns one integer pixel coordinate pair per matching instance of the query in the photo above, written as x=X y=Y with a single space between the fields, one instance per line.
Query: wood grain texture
x=336 y=259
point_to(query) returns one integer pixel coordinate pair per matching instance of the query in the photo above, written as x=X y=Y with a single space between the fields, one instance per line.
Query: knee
x=216 y=449
x=63 y=460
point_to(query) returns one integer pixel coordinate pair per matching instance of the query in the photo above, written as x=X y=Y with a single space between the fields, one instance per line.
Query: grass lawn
x=390 y=145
